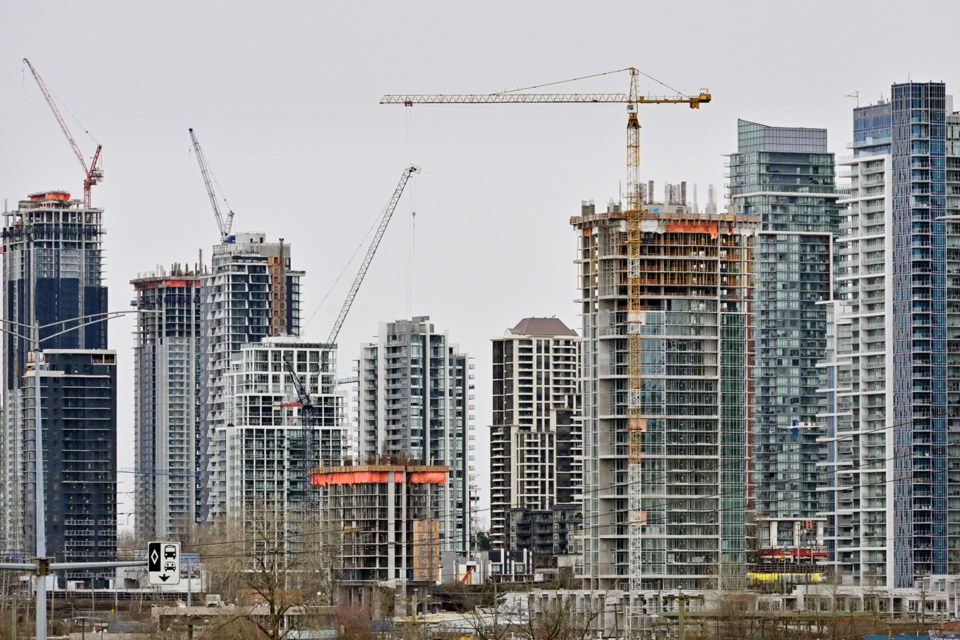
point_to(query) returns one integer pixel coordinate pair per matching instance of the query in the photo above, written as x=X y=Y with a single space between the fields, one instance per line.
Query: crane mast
x=224 y=224
x=384 y=221
x=636 y=422
x=92 y=173
x=307 y=414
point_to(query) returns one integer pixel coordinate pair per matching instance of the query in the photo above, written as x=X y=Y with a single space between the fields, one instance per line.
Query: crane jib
x=541 y=98
x=371 y=251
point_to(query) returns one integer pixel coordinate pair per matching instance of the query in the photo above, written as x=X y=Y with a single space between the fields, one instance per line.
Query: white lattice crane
x=92 y=173
x=371 y=251
x=225 y=224
x=636 y=423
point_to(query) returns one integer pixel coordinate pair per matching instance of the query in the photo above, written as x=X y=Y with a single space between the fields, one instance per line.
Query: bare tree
x=353 y=621
x=561 y=619
x=486 y=620
x=277 y=571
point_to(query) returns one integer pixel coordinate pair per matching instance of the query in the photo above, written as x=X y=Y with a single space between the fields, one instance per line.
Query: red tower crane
x=92 y=174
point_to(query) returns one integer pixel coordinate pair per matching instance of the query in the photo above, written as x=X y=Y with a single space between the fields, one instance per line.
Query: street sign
x=163 y=562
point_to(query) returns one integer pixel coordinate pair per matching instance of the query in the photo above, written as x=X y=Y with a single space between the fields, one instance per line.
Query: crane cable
x=63 y=105
x=353 y=256
x=595 y=75
x=411 y=202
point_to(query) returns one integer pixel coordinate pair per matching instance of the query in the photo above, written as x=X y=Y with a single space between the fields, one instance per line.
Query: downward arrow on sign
x=164 y=577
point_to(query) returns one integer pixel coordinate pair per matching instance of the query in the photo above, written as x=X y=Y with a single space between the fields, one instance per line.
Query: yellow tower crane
x=636 y=423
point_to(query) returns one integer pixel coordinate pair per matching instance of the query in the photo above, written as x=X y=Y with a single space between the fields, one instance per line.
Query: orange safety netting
x=379 y=477
x=428 y=477
x=688 y=226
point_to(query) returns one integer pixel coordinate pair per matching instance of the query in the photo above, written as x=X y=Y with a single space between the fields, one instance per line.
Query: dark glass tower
x=52 y=274
x=78 y=402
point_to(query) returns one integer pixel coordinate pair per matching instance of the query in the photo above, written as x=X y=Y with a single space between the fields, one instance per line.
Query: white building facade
x=250 y=293
x=271 y=439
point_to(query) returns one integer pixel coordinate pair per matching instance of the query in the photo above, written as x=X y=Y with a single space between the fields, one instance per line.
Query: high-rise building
x=78 y=401
x=52 y=255
x=250 y=293
x=691 y=274
x=270 y=448
x=166 y=383
x=414 y=393
x=895 y=426
x=536 y=435
x=786 y=177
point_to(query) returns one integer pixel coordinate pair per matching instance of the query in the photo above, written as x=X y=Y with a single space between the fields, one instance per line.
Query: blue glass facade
x=917 y=145
x=786 y=176
x=901 y=291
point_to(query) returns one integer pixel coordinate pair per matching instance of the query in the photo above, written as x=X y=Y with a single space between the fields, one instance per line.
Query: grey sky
x=284 y=98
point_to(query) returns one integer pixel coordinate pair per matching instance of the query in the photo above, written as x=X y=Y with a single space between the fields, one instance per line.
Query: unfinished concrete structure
x=536 y=435
x=381 y=523
x=251 y=293
x=688 y=277
x=166 y=420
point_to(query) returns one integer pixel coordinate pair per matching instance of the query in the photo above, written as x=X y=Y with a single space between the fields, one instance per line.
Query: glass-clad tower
x=78 y=402
x=786 y=177
x=250 y=293
x=896 y=498
x=52 y=276
x=415 y=388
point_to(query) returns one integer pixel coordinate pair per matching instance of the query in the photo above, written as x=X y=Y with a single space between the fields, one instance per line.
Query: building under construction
x=665 y=295
x=382 y=525
x=166 y=379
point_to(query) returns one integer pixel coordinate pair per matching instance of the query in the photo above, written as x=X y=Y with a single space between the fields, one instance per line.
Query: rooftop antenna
x=856 y=95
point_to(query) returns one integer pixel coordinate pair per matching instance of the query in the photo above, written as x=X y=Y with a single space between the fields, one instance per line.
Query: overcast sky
x=284 y=98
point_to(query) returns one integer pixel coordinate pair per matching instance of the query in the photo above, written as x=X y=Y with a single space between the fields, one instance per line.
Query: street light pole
x=42 y=564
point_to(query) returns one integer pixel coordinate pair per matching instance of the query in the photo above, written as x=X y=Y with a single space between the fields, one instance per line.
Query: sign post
x=163 y=563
